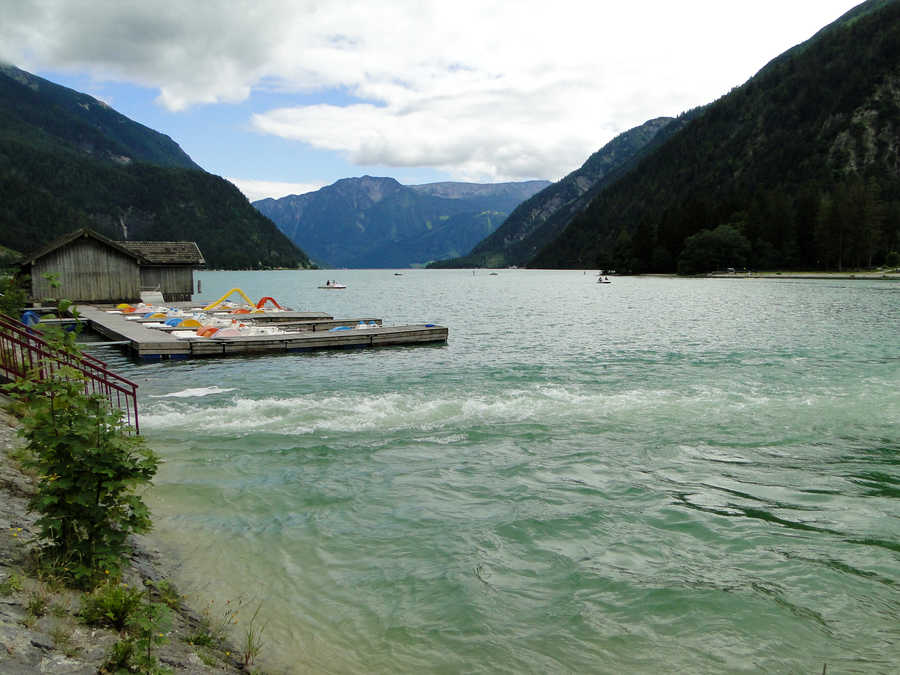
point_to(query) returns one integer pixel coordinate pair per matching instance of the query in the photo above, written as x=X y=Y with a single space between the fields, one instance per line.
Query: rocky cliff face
x=873 y=134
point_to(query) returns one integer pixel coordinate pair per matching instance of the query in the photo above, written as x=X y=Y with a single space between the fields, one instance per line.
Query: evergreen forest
x=69 y=161
x=799 y=168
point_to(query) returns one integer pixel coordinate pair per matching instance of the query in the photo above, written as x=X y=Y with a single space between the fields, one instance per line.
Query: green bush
x=88 y=467
x=38 y=603
x=148 y=626
x=13 y=294
x=119 y=656
x=132 y=613
x=166 y=592
x=11 y=584
x=111 y=605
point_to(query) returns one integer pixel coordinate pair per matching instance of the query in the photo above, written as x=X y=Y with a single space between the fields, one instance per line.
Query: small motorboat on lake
x=333 y=286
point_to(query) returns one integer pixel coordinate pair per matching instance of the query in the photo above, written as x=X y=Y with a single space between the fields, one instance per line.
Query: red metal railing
x=23 y=350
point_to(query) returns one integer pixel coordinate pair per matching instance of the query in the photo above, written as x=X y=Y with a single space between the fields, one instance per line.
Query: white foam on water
x=366 y=412
x=450 y=411
x=194 y=393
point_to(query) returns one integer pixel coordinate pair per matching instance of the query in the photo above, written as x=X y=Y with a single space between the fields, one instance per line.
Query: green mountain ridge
x=797 y=168
x=375 y=222
x=538 y=220
x=51 y=114
x=68 y=160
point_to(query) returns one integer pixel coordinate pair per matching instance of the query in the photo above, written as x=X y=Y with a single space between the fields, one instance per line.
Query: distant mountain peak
x=460 y=189
x=372 y=221
x=375 y=188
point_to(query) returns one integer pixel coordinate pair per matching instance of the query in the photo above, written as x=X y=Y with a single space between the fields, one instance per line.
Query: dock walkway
x=314 y=331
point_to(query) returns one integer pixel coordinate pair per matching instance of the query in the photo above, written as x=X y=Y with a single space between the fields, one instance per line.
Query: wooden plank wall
x=176 y=283
x=88 y=272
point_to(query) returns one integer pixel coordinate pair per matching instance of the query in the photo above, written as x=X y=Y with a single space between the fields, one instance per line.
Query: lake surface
x=655 y=475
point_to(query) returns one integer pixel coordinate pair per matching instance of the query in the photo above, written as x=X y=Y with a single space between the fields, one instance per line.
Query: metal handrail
x=16 y=325
x=23 y=350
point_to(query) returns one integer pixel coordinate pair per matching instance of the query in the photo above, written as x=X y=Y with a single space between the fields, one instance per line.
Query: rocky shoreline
x=40 y=631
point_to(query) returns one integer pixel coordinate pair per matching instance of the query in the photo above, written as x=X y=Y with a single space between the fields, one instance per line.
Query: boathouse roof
x=84 y=232
x=143 y=252
x=167 y=252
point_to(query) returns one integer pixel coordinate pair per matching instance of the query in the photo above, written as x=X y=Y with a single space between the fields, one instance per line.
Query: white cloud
x=481 y=89
x=260 y=189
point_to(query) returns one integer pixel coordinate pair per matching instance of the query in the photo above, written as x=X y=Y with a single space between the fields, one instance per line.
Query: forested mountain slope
x=799 y=167
x=70 y=161
x=537 y=221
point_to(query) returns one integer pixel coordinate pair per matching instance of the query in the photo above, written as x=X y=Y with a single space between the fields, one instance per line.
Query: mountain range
x=377 y=222
x=799 y=167
x=68 y=160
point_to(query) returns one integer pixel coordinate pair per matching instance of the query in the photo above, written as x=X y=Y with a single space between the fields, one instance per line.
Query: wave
x=194 y=393
x=550 y=406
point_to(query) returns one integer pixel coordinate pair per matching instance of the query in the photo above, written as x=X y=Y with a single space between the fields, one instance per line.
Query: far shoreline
x=849 y=276
x=819 y=276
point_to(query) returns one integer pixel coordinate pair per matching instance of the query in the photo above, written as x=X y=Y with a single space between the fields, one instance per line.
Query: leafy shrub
x=146 y=623
x=88 y=467
x=37 y=604
x=119 y=657
x=714 y=249
x=149 y=625
x=166 y=592
x=111 y=605
x=11 y=584
x=13 y=295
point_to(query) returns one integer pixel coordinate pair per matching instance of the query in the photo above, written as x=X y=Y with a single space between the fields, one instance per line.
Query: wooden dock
x=314 y=332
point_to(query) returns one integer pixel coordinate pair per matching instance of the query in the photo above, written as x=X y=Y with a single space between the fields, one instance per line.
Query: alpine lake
x=652 y=475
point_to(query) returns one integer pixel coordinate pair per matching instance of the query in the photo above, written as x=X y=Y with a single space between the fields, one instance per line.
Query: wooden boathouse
x=92 y=268
x=168 y=267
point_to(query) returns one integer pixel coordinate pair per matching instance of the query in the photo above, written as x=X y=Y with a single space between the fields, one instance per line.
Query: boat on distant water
x=333 y=286
x=603 y=280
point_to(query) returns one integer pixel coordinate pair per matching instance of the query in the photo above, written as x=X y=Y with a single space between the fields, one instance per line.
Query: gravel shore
x=57 y=641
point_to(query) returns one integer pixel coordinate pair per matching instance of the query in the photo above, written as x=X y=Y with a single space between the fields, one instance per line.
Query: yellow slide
x=225 y=297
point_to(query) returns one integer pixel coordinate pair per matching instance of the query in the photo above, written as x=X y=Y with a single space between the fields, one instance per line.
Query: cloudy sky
x=285 y=96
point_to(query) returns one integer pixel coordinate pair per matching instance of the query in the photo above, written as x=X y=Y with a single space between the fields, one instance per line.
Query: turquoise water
x=656 y=475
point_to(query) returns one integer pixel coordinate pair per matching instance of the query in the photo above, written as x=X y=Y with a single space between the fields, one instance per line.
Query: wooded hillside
x=800 y=166
x=69 y=161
